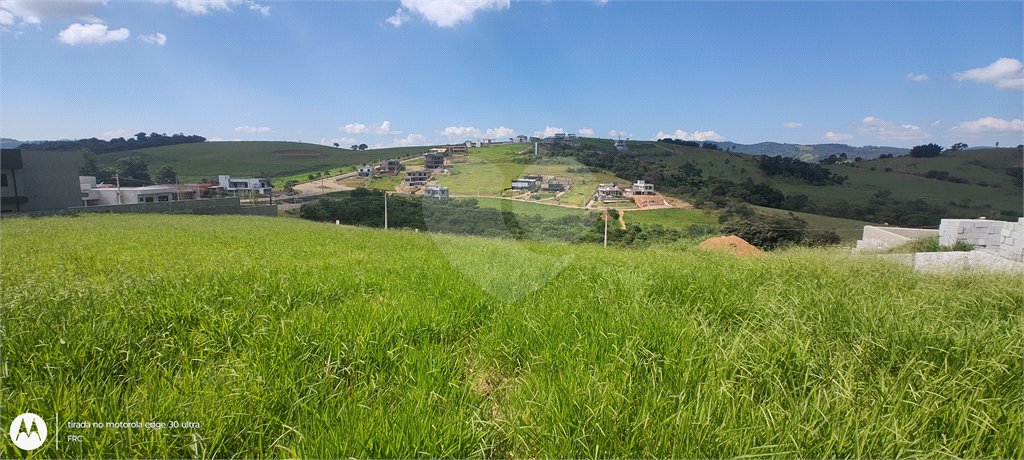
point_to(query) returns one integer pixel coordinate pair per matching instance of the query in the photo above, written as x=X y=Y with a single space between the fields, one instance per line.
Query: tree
x=363 y=147
x=92 y=169
x=166 y=175
x=336 y=145
x=134 y=170
x=958 y=147
x=926 y=151
x=354 y=147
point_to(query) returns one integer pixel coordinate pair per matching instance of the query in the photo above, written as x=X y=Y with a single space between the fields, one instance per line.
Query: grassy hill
x=812 y=153
x=283 y=337
x=989 y=188
x=196 y=161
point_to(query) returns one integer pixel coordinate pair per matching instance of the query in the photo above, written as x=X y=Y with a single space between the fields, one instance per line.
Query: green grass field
x=546 y=211
x=287 y=338
x=207 y=160
x=671 y=217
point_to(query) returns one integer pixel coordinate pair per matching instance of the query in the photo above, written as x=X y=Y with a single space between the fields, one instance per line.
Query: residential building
x=107 y=194
x=621 y=145
x=555 y=185
x=390 y=166
x=418 y=177
x=366 y=171
x=643 y=188
x=609 y=191
x=524 y=184
x=473 y=144
x=521 y=139
x=259 y=185
x=435 y=191
x=433 y=160
x=453 y=149
x=34 y=180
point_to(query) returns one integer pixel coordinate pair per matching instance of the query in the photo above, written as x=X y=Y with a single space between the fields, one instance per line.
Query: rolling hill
x=196 y=161
x=890 y=185
x=811 y=153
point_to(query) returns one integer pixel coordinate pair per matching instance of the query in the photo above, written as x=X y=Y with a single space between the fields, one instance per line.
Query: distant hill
x=207 y=160
x=812 y=153
x=99 y=146
x=896 y=190
x=8 y=143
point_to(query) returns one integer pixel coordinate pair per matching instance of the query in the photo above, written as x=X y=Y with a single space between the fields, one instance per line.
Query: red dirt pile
x=732 y=244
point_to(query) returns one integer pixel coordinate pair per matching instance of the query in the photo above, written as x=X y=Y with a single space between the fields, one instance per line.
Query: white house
x=95 y=195
x=435 y=191
x=609 y=190
x=366 y=171
x=643 y=188
x=259 y=185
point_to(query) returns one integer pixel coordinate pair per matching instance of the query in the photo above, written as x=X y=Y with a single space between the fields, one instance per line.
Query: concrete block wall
x=890 y=237
x=1005 y=239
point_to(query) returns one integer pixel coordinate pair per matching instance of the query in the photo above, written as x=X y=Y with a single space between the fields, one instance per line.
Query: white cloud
x=615 y=134
x=586 y=132
x=448 y=13
x=888 y=131
x=208 y=6
x=989 y=125
x=251 y=129
x=1005 y=73
x=354 y=128
x=343 y=142
x=400 y=17
x=548 y=132
x=6 y=18
x=792 y=125
x=499 y=133
x=696 y=136
x=384 y=129
x=918 y=78
x=830 y=136
x=463 y=132
x=91 y=34
x=410 y=140
x=158 y=39
x=936 y=123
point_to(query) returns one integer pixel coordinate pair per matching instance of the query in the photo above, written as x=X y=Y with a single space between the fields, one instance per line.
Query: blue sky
x=420 y=72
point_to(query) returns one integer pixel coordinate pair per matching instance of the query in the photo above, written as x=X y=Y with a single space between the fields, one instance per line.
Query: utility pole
x=118 y=178
x=385 y=210
x=606 y=226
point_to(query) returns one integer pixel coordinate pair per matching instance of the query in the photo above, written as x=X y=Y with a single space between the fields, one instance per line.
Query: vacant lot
x=283 y=337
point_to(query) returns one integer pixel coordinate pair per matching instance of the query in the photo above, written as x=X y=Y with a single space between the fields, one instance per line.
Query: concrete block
x=1005 y=231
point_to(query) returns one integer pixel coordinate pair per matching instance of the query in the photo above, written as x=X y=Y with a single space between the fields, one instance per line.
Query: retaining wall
x=890 y=237
x=1005 y=239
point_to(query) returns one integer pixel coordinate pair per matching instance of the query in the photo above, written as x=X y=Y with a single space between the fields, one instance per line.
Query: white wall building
x=95 y=195
x=259 y=185
x=435 y=191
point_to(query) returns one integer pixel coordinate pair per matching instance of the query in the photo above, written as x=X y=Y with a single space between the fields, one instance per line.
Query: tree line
x=98 y=146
